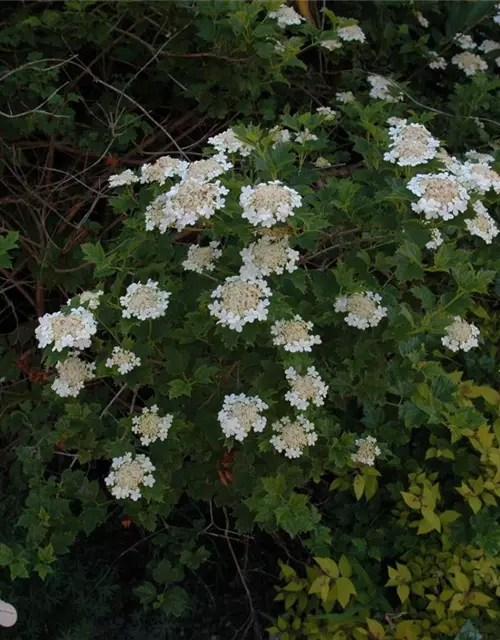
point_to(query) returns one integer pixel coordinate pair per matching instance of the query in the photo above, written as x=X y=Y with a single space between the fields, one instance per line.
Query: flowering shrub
x=299 y=329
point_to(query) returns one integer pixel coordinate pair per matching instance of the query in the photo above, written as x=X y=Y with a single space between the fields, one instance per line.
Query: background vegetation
x=92 y=88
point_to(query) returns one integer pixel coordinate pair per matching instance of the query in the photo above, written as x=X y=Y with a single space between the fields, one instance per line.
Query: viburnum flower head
x=150 y=426
x=327 y=113
x=437 y=61
x=477 y=156
x=228 y=142
x=144 y=301
x=422 y=19
x=294 y=335
x=185 y=204
x=305 y=136
x=280 y=135
x=465 y=41
x=72 y=374
x=469 y=63
x=285 y=16
x=268 y=255
x=411 y=144
x=305 y=389
x=240 y=300
x=436 y=240
x=165 y=167
x=268 y=203
x=487 y=46
x=74 y=329
x=460 y=335
x=207 y=169
x=383 y=89
x=123 y=360
x=478 y=176
x=123 y=178
x=367 y=451
x=363 y=309
x=344 y=97
x=241 y=414
x=91 y=299
x=322 y=163
x=351 y=33
x=441 y=195
x=293 y=436
x=331 y=45
x=200 y=259
x=483 y=224
x=128 y=474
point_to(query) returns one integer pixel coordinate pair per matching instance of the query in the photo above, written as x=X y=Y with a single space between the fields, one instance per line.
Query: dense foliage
x=262 y=389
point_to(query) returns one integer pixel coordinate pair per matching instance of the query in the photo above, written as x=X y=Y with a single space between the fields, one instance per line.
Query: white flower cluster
x=285 y=16
x=441 y=195
x=268 y=255
x=478 y=176
x=305 y=389
x=200 y=259
x=123 y=360
x=165 y=167
x=363 y=309
x=351 y=33
x=207 y=169
x=464 y=41
x=293 y=436
x=127 y=475
x=305 y=136
x=411 y=144
x=331 y=45
x=322 y=163
x=294 y=335
x=72 y=374
x=476 y=156
x=90 y=298
x=150 y=426
x=437 y=61
x=483 y=224
x=345 y=97
x=143 y=301
x=496 y=18
x=460 y=335
x=469 y=63
x=436 y=240
x=487 y=46
x=74 y=329
x=422 y=19
x=228 y=142
x=383 y=89
x=280 y=135
x=367 y=452
x=184 y=204
x=268 y=203
x=241 y=414
x=327 y=113
x=123 y=178
x=238 y=301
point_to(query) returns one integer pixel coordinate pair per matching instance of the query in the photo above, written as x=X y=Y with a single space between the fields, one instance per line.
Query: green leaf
x=462 y=581
x=7 y=243
x=146 y=593
x=432 y=518
x=359 y=486
x=6 y=555
x=179 y=388
x=403 y=591
x=411 y=500
x=345 y=566
x=345 y=589
x=328 y=566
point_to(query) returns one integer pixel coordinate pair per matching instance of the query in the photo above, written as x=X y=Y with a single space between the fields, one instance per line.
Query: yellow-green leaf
x=345 y=589
x=345 y=567
x=328 y=566
x=359 y=486
x=432 y=518
x=411 y=500
x=319 y=584
x=290 y=600
x=403 y=571
x=475 y=503
x=375 y=628
x=403 y=591
x=449 y=516
x=295 y=585
x=286 y=570
x=462 y=581
x=479 y=599
x=371 y=486
x=457 y=602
